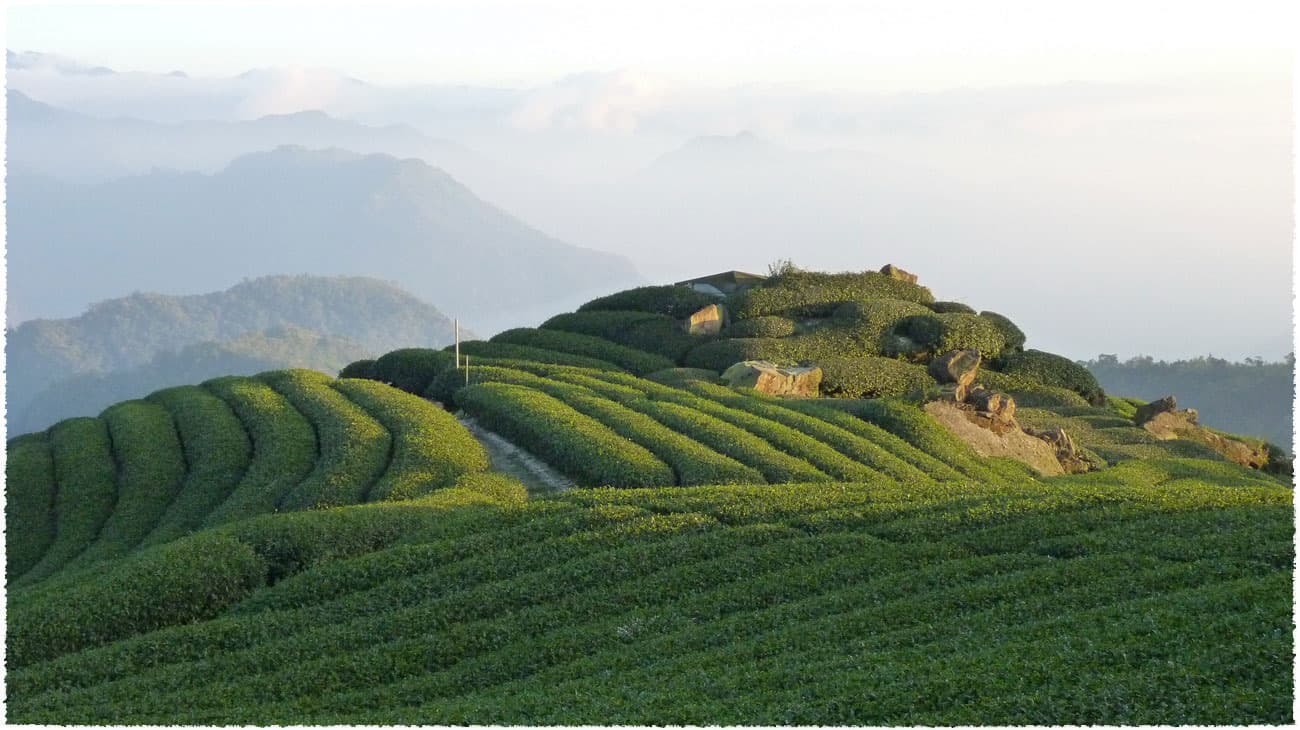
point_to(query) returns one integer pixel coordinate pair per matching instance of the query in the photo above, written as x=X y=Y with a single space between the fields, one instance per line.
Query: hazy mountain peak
x=37 y=61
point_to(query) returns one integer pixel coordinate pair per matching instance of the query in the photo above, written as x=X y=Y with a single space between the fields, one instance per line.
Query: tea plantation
x=296 y=549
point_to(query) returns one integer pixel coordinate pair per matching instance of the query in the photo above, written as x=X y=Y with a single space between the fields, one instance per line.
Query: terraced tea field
x=295 y=549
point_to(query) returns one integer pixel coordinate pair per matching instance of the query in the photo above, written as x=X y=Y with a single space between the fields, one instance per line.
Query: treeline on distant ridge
x=1252 y=397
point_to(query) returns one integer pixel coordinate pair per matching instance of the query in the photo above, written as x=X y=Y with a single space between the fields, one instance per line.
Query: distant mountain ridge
x=132 y=332
x=318 y=212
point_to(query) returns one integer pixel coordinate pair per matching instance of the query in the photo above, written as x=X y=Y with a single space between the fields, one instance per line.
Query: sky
x=875 y=46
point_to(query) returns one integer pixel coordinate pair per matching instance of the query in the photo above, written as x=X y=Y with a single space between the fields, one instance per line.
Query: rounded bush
x=950 y=308
x=411 y=369
x=359 y=369
x=1015 y=338
x=29 y=502
x=1054 y=370
x=940 y=333
x=722 y=354
x=767 y=326
x=871 y=377
x=813 y=294
x=475 y=349
x=677 y=302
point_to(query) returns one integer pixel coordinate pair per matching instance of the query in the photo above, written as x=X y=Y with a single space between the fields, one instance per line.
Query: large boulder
x=1011 y=444
x=1148 y=412
x=959 y=366
x=996 y=411
x=896 y=273
x=766 y=377
x=1066 y=452
x=707 y=321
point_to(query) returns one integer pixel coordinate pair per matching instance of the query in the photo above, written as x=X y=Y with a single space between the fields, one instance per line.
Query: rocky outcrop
x=1150 y=411
x=896 y=273
x=1013 y=444
x=766 y=377
x=707 y=321
x=995 y=411
x=960 y=367
x=1072 y=462
x=1162 y=419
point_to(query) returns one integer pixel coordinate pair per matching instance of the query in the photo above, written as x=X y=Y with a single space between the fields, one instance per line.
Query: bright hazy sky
x=887 y=46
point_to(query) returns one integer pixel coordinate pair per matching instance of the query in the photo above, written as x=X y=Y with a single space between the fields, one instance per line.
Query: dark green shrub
x=950 y=308
x=411 y=369
x=679 y=377
x=1029 y=393
x=871 y=377
x=575 y=444
x=503 y=351
x=678 y=302
x=812 y=294
x=180 y=582
x=767 y=326
x=1054 y=370
x=151 y=467
x=656 y=333
x=635 y=361
x=86 y=490
x=1014 y=337
x=940 y=333
x=354 y=448
x=431 y=449
x=722 y=354
x=217 y=452
x=284 y=448
x=29 y=502
x=359 y=369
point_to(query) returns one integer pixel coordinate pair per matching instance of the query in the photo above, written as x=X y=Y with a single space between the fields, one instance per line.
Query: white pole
x=467 y=370
x=456 y=322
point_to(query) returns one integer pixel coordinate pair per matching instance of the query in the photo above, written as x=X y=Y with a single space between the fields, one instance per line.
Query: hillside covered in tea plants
x=291 y=548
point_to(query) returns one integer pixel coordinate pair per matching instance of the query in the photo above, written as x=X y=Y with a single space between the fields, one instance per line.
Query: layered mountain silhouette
x=323 y=212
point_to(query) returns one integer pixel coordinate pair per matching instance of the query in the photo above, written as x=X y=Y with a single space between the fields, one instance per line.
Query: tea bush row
x=151 y=469
x=85 y=491
x=680 y=377
x=1055 y=371
x=505 y=351
x=654 y=333
x=632 y=360
x=678 y=302
x=765 y=326
x=284 y=448
x=871 y=377
x=431 y=449
x=29 y=502
x=354 y=448
x=577 y=445
x=217 y=453
x=410 y=369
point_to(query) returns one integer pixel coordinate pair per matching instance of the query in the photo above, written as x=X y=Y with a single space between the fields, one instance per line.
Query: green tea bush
x=217 y=453
x=431 y=449
x=738 y=443
x=655 y=333
x=766 y=326
x=940 y=333
x=504 y=351
x=1029 y=392
x=577 y=445
x=284 y=448
x=411 y=369
x=183 y=581
x=151 y=468
x=1056 y=371
x=354 y=448
x=1013 y=335
x=863 y=450
x=950 y=308
x=86 y=490
x=632 y=360
x=871 y=377
x=722 y=354
x=29 y=502
x=359 y=369
x=679 y=377
x=678 y=302
x=692 y=462
x=811 y=294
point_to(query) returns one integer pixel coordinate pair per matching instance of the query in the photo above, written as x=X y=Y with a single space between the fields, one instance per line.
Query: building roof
x=725 y=277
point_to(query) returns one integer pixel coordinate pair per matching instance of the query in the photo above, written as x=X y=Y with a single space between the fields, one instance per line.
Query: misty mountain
x=248 y=354
x=48 y=140
x=130 y=332
x=292 y=210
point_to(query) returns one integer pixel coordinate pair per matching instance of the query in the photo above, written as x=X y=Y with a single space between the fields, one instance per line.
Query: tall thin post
x=456 y=322
x=467 y=370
